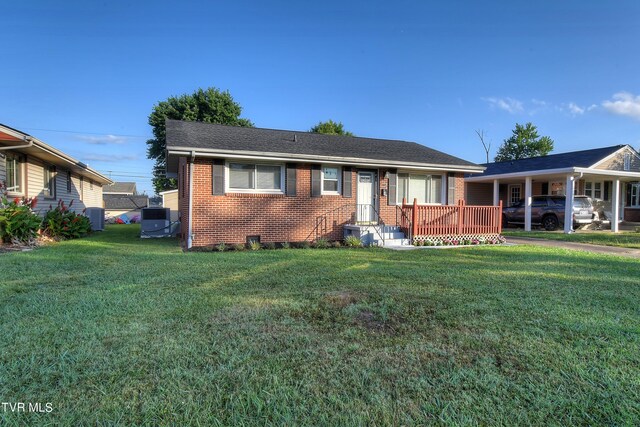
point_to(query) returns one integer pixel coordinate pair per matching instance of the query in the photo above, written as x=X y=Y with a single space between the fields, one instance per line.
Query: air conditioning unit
x=96 y=218
x=155 y=222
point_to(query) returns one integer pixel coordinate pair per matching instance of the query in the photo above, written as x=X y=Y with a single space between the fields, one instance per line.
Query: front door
x=365 y=197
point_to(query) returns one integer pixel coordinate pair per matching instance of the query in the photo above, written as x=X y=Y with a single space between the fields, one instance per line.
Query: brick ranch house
x=239 y=184
x=609 y=175
x=31 y=168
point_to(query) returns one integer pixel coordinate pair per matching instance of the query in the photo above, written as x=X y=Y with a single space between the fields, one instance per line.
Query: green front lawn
x=112 y=329
x=624 y=239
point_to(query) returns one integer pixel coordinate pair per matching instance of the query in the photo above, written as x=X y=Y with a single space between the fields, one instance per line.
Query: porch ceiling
x=551 y=175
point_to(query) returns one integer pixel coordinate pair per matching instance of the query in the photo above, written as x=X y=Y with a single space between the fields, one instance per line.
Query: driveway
x=611 y=250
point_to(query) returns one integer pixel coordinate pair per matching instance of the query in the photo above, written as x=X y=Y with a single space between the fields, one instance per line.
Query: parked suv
x=548 y=211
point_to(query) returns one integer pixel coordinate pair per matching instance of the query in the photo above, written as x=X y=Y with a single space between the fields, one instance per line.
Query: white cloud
x=575 y=109
x=624 y=104
x=102 y=139
x=110 y=157
x=509 y=105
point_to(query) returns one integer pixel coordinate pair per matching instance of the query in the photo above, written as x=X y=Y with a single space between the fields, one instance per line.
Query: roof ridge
x=558 y=154
x=295 y=131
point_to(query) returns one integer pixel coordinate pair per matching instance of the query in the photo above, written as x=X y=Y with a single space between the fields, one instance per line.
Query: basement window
x=255 y=178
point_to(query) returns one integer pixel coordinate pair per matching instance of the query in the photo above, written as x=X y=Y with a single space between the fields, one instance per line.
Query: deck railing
x=454 y=220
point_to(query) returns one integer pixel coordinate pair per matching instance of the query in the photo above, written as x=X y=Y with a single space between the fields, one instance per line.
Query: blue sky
x=83 y=76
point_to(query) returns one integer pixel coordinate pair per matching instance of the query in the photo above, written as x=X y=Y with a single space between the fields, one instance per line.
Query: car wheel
x=550 y=222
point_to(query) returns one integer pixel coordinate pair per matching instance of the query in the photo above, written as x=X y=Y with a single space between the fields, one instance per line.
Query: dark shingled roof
x=578 y=159
x=198 y=135
x=115 y=202
x=120 y=187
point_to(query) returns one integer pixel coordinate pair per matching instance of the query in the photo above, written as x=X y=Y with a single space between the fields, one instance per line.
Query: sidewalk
x=611 y=250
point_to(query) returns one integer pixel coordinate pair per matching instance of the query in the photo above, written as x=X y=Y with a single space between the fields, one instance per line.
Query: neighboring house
x=31 y=168
x=115 y=205
x=237 y=184
x=609 y=174
x=120 y=189
x=170 y=200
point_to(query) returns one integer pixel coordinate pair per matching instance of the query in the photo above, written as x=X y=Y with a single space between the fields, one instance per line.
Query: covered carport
x=610 y=174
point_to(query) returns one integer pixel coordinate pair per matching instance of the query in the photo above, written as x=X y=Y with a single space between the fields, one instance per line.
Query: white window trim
x=50 y=169
x=592 y=191
x=22 y=166
x=626 y=163
x=509 y=190
x=635 y=186
x=331 y=193
x=228 y=189
x=443 y=186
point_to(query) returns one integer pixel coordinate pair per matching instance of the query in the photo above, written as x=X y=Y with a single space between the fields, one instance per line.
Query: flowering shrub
x=62 y=223
x=456 y=241
x=18 y=223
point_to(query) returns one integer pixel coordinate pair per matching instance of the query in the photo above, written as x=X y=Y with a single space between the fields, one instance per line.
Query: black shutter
x=218 y=177
x=393 y=185
x=346 y=182
x=316 y=181
x=291 y=180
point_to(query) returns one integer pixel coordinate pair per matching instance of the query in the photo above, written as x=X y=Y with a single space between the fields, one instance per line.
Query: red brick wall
x=232 y=217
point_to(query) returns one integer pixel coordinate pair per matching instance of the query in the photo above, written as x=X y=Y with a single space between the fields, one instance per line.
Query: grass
x=624 y=239
x=114 y=330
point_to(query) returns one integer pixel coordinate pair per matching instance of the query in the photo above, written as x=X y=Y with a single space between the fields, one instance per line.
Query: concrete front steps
x=378 y=235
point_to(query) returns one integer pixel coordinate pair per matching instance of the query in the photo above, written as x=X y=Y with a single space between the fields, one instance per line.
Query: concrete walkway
x=610 y=250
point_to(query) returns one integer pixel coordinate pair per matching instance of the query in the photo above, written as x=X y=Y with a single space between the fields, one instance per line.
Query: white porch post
x=527 y=204
x=615 y=205
x=568 y=205
x=496 y=192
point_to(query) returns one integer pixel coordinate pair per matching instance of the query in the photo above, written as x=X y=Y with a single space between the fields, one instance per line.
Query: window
x=330 y=180
x=14 y=174
x=424 y=188
x=635 y=194
x=249 y=177
x=557 y=188
x=451 y=190
x=49 y=184
x=593 y=189
x=69 y=182
x=515 y=194
x=627 y=161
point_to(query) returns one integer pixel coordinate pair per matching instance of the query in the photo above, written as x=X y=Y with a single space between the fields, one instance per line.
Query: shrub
x=18 y=222
x=285 y=245
x=337 y=244
x=352 y=241
x=269 y=245
x=221 y=247
x=62 y=223
x=255 y=245
x=304 y=245
x=239 y=247
x=322 y=244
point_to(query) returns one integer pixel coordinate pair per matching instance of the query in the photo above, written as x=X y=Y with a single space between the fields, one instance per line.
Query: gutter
x=28 y=139
x=190 y=223
x=185 y=151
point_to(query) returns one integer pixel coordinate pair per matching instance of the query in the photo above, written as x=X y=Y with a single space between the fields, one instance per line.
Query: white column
x=527 y=204
x=496 y=192
x=568 y=205
x=615 y=205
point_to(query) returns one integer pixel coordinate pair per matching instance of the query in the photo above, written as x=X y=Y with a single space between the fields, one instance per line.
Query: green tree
x=204 y=105
x=525 y=142
x=330 y=128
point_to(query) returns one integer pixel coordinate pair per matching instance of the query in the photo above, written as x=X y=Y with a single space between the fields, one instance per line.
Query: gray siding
x=479 y=193
x=617 y=162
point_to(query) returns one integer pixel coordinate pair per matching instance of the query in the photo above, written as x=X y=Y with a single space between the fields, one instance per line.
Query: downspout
x=189 y=227
x=12 y=147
